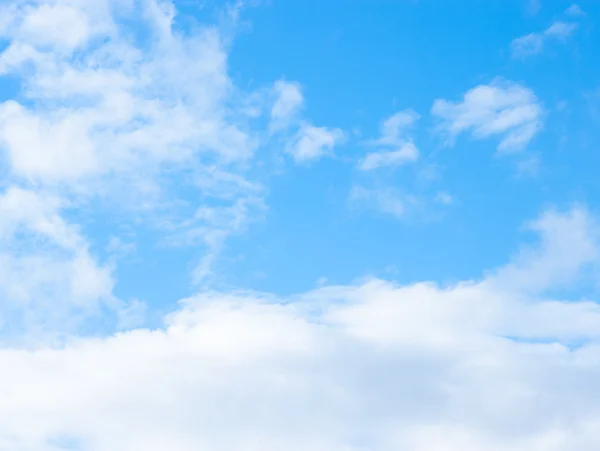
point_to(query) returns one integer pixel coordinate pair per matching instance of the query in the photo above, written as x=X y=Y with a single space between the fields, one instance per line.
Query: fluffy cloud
x=395 y=146
x=533 y=43
x=124 y=107
x=485 y=364
x=154 y=127
x=504 y=109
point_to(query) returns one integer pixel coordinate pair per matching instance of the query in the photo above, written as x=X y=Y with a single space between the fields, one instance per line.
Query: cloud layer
x=477 y=365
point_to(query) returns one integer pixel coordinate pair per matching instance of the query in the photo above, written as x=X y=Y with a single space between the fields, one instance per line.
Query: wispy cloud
x=395 y=144
x=502 y=109
x=534 y=43
x=289 y=101
x=154 y=129
x=312 y=143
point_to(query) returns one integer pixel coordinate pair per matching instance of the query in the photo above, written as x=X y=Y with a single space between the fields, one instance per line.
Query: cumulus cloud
x=471 y=366
x=394 y=145
x=534 y=43
x=502 y=109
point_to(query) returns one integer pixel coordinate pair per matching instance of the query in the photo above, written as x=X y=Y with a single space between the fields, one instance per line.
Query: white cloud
x=371 y=366
x=533 y=43
x=115 y=107
x=312 y=143
x=287 y=105
x=408 y=152
x=567 y=242
x=49 y=281
x=142 y=126
x=301 y=139
x=395 y=145
x=394 y=128
x=504 y=109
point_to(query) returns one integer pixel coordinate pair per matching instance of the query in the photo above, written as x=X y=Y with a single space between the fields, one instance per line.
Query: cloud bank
x=487 y=364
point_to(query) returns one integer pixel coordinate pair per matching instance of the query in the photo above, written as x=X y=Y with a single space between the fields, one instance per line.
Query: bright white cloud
x=371 y=366
x=395 y=145
x=312 y=143
x=501 y=109
x=533 y=43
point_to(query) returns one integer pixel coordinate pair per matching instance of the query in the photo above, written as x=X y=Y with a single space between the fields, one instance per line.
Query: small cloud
x=527 y=45
x=504 y=109
x=560 y=30
x=312 y=143
x=395 y=145
x=405 y=154
x=575 y=11
x=533 y=43
x=394 y=128
x=288 y=103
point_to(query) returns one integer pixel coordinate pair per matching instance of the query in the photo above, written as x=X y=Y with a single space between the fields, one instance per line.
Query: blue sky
x=356 y=70
x=299 y=225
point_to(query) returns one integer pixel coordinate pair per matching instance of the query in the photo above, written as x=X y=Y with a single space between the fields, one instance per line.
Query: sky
x=299 y=225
